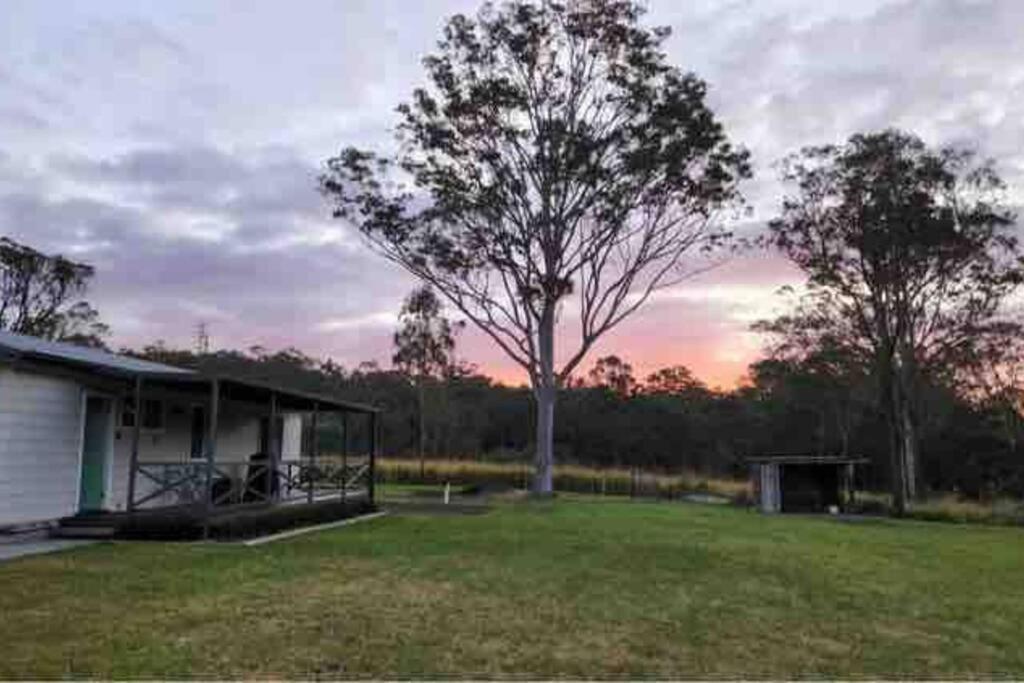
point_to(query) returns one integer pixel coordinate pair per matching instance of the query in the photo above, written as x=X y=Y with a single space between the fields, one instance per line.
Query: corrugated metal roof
x=784 y=459
x=21 y=344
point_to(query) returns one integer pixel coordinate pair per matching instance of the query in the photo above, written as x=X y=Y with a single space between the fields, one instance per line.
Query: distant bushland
x=667 y=422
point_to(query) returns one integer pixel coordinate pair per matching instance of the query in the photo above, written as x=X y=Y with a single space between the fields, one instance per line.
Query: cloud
x=274 y=269
x=176 y=147
x=264 y=192
x=951 y=70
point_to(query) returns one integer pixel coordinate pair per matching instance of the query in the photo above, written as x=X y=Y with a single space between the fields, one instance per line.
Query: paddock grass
x=938 y=507
x=951 y=508
x=574 y=478
x=571 y=588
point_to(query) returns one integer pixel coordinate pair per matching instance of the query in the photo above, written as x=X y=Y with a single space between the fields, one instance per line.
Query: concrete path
x=37 y=546
x=261 y=540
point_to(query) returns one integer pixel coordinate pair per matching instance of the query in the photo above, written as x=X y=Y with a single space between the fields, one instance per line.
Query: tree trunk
x=543 y=483
x=906 y=377
x=545 y=392
x=893 y=402
x=822 y=430
x=843 y=427
x=421 y=432
x=910 y=448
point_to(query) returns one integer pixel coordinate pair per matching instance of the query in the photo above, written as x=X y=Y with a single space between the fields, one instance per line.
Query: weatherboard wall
x=40 y=445
x=40 y=441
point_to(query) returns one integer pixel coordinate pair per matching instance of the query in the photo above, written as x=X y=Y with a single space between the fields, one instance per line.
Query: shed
x=804 y=483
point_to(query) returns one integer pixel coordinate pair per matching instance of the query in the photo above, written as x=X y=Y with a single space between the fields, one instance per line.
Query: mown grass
x=556 y=589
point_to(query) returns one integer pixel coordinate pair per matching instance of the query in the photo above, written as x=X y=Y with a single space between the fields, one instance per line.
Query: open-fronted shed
x=804 y=483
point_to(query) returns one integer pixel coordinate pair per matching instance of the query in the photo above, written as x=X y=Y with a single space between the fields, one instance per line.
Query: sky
x=176 y=146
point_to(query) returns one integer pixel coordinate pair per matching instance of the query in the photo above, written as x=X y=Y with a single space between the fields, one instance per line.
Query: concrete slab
x=261 y=540
x=37 y=546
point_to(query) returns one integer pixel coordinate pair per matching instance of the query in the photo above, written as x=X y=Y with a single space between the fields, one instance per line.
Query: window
x=127 y=413
x=198 y=432
x=265 y=442
x=152 y=414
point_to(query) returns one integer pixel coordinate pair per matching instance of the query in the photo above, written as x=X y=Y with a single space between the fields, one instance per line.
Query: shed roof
x=251 y=389
x=796 y=459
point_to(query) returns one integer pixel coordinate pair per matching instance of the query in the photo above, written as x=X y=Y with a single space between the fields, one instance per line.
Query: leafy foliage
x=555 y=159
x=554 y=153
x=425 y=352
x=908 y=260
x=425 y=343
x=37 y=296
x=614 y=374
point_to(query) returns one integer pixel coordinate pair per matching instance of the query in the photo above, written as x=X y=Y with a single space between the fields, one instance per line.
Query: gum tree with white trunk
x=555 y=168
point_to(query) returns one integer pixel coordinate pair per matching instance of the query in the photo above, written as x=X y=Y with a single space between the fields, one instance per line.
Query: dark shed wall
x=810 y=487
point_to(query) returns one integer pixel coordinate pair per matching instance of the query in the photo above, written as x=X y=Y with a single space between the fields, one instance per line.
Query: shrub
x=188 y=524
x=268 y=520
x=947 y=508
x=950 y=508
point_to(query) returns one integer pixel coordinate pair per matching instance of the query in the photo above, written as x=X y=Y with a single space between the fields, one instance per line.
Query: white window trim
x=143 y=429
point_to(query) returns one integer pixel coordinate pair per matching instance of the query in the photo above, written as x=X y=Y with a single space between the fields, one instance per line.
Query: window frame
x=128 y=408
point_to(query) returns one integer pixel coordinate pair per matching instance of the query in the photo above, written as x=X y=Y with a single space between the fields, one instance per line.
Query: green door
x=96 y=444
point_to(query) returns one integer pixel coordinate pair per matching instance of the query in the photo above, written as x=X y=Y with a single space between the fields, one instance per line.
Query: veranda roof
x=15 y=347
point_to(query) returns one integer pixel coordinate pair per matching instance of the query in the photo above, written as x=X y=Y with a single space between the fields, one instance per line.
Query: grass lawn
x=574 y=588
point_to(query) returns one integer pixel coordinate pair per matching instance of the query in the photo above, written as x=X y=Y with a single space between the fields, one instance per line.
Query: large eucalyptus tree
x=556 y=168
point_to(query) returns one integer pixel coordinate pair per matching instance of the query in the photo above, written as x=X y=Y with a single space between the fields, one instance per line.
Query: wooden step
x=83 y=531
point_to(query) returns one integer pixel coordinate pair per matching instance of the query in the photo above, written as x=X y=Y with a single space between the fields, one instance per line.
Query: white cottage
x=86 y=432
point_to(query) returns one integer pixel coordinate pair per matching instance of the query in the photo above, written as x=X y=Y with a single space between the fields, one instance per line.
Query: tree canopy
x=424 y=350
x=39 y=296
x=425 y=342
x=554 y=160
x=909 y=259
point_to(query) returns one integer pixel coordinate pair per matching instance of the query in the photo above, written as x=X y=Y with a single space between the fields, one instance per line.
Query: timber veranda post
x=344 y=455
x=314 y=452
x=272 y=446
x=211 y=452
x=133 y=464
x=374 y=438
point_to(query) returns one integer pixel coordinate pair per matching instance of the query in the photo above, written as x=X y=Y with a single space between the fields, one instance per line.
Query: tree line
x=668 y=420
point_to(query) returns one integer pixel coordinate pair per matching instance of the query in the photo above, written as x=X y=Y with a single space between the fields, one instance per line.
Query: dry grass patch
x=568 y=478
